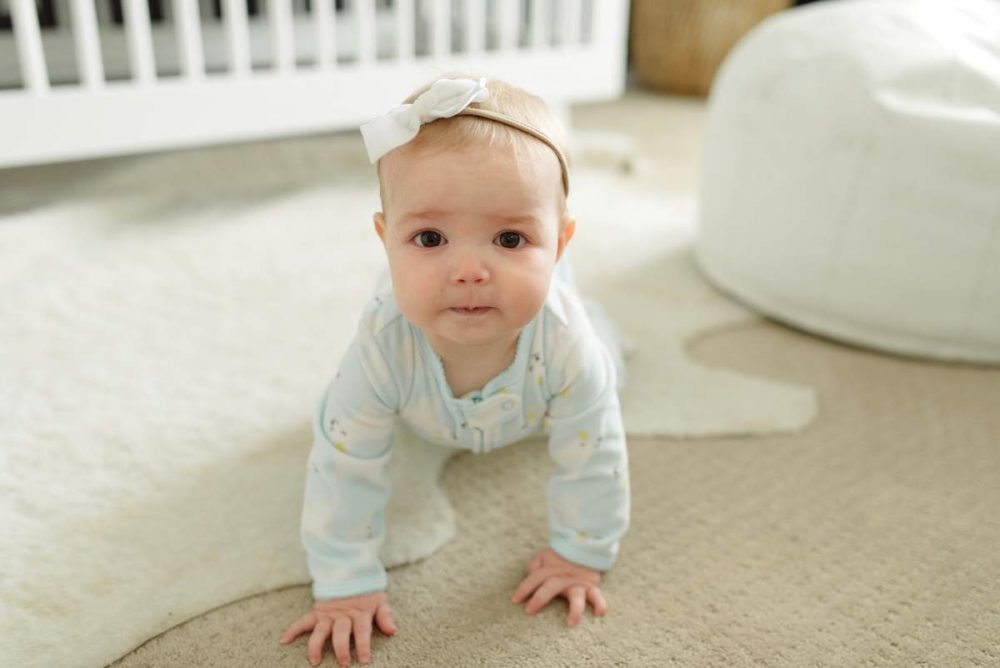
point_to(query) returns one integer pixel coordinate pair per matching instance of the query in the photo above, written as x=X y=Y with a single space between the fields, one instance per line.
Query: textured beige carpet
x=871 y=538
x=166 y=324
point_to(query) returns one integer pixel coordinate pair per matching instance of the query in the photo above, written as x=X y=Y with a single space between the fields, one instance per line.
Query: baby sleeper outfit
x=562 y=381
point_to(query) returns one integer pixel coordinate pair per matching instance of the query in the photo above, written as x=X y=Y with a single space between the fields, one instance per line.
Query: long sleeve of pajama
x=589 y=499
x=347 y=484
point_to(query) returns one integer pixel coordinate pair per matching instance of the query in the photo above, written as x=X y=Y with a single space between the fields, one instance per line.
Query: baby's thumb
x=383 y=617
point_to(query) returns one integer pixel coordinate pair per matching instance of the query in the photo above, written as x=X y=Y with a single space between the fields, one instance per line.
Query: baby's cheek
x=417 y=298
x=410 y=304
x=535 y=274
x=530 y=295
x=402 y=282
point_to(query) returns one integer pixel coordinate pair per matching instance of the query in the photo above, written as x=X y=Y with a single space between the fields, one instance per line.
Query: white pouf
x=851 y=174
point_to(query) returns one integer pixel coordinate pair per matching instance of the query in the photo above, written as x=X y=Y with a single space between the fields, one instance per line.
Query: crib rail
x=88 y=78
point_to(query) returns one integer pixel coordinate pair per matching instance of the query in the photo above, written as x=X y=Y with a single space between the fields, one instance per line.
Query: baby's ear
x=568 y=229
x=379 y=219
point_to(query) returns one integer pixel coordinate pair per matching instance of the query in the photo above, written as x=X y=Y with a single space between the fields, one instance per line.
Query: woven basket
x=677 y=45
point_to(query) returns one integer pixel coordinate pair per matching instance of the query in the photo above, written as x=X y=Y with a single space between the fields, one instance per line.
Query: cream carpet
x=872 y=538
x=168 y=323
x=869 y=539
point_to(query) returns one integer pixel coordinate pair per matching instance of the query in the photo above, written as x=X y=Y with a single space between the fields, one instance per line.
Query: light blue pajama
x=562 y=381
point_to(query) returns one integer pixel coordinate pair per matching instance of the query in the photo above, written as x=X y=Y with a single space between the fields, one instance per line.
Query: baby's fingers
x=383 y=617
x=528 y=585
x=363 y=637
x=314 y=650
x=544 y=594
x=304 y=623
x=577 y=604
x=596 y=599
x=342 y=640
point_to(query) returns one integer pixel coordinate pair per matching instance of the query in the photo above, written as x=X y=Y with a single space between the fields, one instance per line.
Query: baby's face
x=472 y=238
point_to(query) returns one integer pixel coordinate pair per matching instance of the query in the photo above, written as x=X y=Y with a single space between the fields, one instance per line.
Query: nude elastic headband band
x=444 y=99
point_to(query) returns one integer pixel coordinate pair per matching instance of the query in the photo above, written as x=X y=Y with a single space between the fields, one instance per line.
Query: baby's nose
x=469 y=268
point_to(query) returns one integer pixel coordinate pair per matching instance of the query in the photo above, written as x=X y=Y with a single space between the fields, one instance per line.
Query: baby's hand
x=337 y=619
x=549 y=575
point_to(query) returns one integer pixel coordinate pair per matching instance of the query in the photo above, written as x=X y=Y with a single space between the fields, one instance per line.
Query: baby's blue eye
x=429 y=239
x=510 y=239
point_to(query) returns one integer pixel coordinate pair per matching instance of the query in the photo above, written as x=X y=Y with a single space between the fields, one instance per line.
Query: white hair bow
x=444 y=99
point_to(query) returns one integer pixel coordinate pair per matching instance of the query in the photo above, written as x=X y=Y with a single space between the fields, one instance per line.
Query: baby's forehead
x=516 y=148
x=505 y=170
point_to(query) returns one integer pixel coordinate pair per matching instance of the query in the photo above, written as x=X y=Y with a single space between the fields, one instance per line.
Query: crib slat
x=103 y=11
x=279 y=16
x=540 y=23
x=441 y=28
x=140 y=40
x=167 y=14
x=192 y=56
x=365 y=10
x=508 y=20
x=57 y=9
x=88 y=45
x=326 y=33
x=405 y=29
x=475 y=22
x=569 y=21
x=234 y=12
x=29 y=46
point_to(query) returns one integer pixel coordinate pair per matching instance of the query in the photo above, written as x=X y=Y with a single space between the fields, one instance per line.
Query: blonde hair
x=458 y=131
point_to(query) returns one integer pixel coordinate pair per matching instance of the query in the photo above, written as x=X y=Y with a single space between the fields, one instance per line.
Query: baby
x=480 y=342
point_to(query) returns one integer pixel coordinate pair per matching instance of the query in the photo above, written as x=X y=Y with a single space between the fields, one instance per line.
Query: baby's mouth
x=473 y=310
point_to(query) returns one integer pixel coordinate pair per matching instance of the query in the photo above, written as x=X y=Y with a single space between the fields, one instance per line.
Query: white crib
x=108 y=77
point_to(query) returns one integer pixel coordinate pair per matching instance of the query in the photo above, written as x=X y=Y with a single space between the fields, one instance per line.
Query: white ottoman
x=851 y=174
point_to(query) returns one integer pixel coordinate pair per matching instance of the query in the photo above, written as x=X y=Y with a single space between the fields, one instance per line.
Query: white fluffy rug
x=166 y=327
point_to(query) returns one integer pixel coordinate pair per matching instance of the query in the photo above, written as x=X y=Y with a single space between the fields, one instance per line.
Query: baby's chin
x=473 y=330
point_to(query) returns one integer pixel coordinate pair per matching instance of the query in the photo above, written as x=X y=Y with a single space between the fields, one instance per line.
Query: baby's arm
x=589 y=501
x=347 y=482
x=343 y=517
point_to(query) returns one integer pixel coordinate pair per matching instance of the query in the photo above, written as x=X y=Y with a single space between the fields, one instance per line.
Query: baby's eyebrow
x=421 y=217
x=517 y=221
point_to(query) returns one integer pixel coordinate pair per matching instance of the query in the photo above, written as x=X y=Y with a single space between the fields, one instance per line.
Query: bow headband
x=444 y=99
